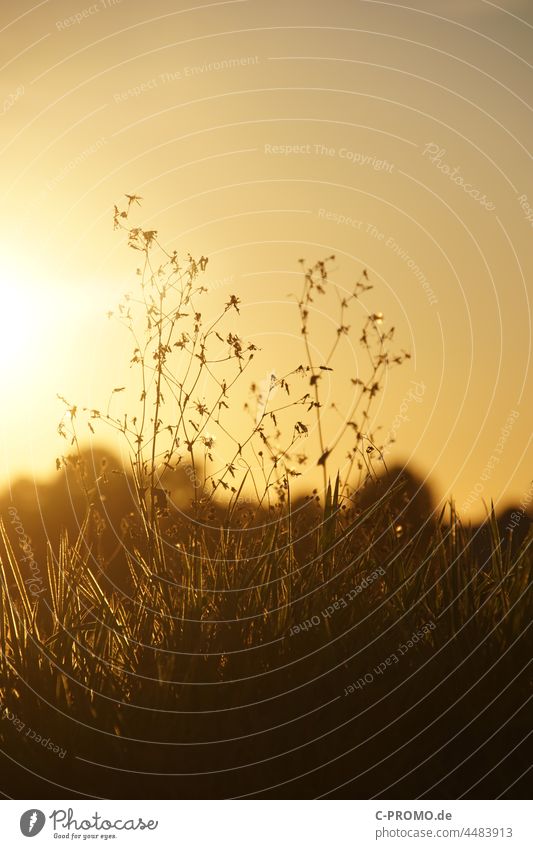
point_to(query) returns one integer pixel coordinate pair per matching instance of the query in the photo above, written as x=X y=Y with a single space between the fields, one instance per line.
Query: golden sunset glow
x=255 y=141
x=266 y=467
x=27 y=321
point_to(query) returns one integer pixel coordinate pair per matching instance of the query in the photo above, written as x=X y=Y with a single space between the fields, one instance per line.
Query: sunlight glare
x=23 y=318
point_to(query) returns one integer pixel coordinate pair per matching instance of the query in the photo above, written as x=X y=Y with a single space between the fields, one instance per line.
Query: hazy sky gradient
x=134 y=97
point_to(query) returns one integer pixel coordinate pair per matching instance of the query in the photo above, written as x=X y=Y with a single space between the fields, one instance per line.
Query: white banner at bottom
x=267 y=824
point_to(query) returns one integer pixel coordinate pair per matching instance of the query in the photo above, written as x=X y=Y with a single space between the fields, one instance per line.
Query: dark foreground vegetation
x=354 y=643
x=296 y=659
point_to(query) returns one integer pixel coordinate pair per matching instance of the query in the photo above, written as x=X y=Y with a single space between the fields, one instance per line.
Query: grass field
x=262 y=645
x=231 y=668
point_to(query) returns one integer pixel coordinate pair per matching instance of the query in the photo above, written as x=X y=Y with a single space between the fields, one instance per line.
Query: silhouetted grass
x=264 y=646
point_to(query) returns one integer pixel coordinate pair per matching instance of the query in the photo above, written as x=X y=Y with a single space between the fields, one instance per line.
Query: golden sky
x=396 y=136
